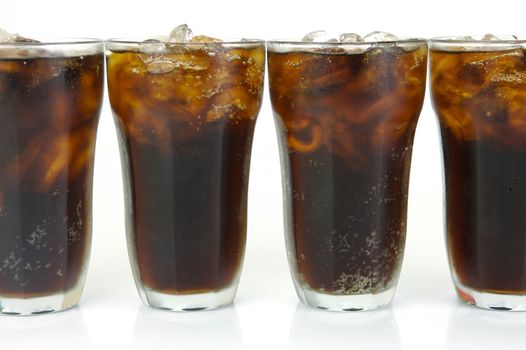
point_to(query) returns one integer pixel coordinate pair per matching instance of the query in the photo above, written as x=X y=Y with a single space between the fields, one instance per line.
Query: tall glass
x=479 y=94
x=50 y=99
x=185 y=116
x=346 y=115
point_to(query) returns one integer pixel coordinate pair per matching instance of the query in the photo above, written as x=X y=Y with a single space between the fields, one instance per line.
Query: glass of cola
x=346 y=112
x=185 y=108
x=478 y=89
x=50 y=99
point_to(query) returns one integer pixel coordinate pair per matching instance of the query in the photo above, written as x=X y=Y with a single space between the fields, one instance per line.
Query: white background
x=266 y=315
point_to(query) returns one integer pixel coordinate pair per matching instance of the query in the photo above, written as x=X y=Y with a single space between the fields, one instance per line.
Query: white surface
x=266 y=314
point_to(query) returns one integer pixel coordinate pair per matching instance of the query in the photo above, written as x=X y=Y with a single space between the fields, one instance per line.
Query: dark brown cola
x=49 y=110
x=480 y=98
x=185 y=120
x=346 y=123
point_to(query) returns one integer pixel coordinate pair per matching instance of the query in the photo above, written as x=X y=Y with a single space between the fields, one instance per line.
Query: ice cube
x=159 y=38
x=205 y=39
x=152 y=50
x=151 y=46
x=379 y=36
x=5 y=36
x=489 y=37
x=20 y=39
x=316 y=36
x=312 y=36
x=464 y=38
x=160 y=67
x=350 y=38
x=181 y=34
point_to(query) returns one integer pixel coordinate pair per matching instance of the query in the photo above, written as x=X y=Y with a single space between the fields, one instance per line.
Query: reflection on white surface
x=60 y=330
x=473 y=328
x=318 y=329
x=215 y=329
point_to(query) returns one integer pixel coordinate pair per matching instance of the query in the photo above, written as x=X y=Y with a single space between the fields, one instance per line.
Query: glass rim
x=53 y=42
x=136 y=41
x=292 y=42
x=446 y=42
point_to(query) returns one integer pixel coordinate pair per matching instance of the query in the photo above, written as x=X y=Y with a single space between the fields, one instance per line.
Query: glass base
x=354 y=302
x=492 y=301
x=189 y=302
x=40 y=305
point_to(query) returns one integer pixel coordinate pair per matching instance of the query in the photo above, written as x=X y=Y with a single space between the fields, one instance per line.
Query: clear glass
x=50 y=99
x=479 y=94
x=185 y=116
x=345 y=115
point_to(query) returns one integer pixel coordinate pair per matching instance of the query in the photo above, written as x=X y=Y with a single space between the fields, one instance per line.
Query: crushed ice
x=379 y=36
x=6 y=37
x=487 y=37
x=323 y=36
x=491 y=37
x=180 y=35
x=350 y=38
x=318 y=36
x=153 y=49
